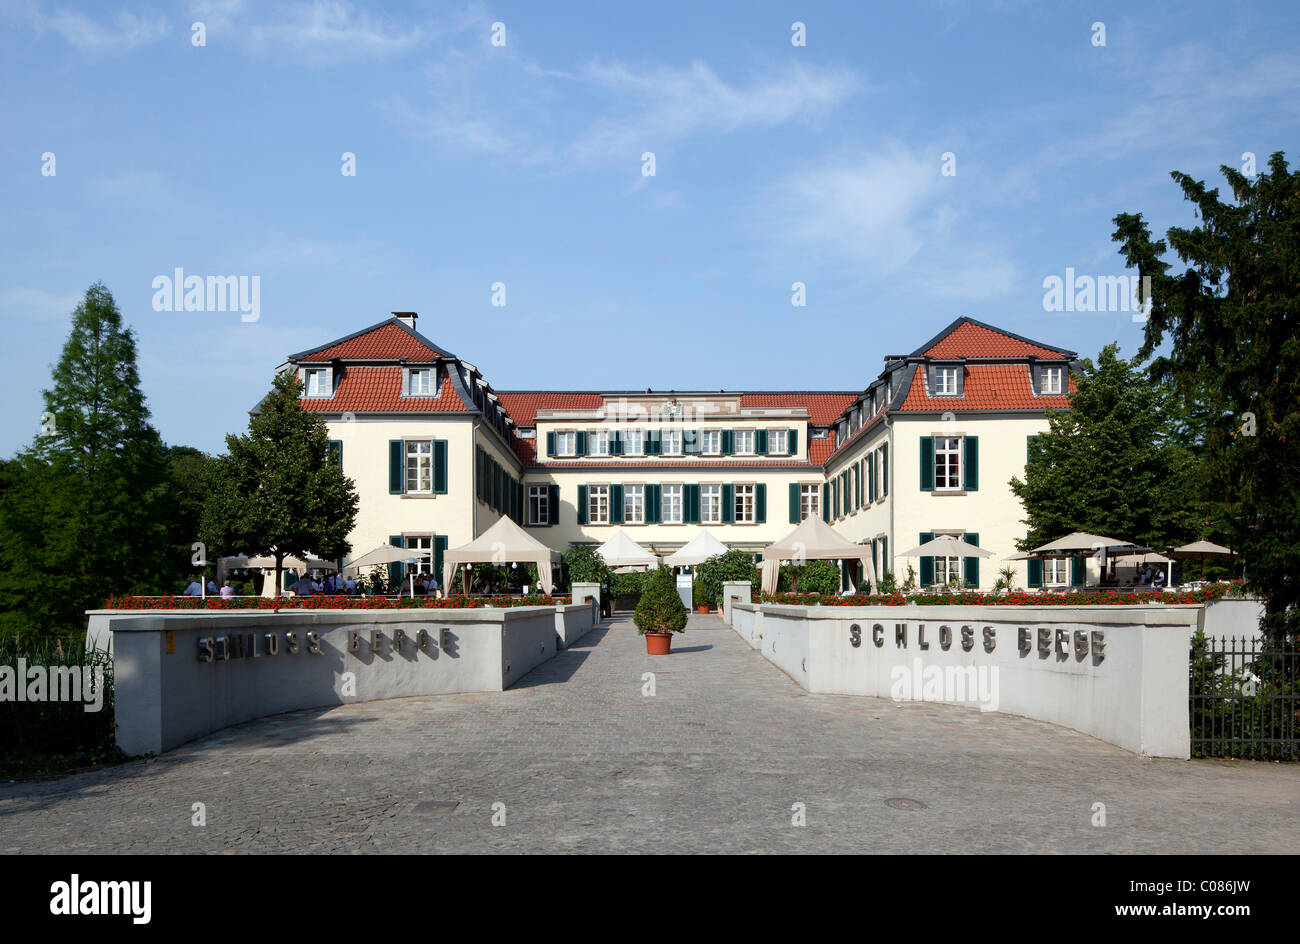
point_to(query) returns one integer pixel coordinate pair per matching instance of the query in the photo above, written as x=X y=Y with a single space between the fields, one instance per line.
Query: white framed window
x=1056 y=571
x=1052 y=380
x=776 y=442
x=634 y=504
x=598 y=442
x=711 y=504
x=419 y=466
x=566 y=444
x=946 y=569
x=598 y=504
x=419 y=542
x=633 y=442
x=539 y=504
x=945 y=381
x=671 y=442
x=947 y=463
x=810 y=501
x=744 y=442
x=420 y=382
x=671 y=504
x=744 y=510
x=711 y=442
x=316 y=382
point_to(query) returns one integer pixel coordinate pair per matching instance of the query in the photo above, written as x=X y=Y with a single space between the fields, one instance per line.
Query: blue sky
x=522 y=164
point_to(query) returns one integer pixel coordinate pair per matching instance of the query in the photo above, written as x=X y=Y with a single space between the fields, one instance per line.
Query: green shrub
x=815 y=576
x=733 y=565
x=887 y=584
x=660 y=609
x=584 y=565
x=629 y=584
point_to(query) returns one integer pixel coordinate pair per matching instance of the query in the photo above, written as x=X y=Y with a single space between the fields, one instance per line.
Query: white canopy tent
x=696 y=551
x=503 y=543
x=625 y=555
x=814 y=539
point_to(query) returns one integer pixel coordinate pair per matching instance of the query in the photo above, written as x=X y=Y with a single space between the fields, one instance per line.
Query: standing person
x=212 y=587
x=195 y=589
x=227 y=591
x=303 y=587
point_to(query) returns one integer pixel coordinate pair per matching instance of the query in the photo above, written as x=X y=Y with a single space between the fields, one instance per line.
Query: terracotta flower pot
x=658 y=644
x=701 y=608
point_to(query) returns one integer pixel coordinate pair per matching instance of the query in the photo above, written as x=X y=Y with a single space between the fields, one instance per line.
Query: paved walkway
x=713 y=762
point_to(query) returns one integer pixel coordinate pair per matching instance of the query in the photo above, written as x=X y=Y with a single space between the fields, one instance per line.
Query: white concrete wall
x=164 y=695
x=572 y=622
x=1134 y=696
x=1228 y=618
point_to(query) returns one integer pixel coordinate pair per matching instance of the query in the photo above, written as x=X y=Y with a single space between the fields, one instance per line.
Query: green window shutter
x=395 y=467
x=792 y=441
x=728 y=504
x=582 y=504
x=760 y=503
x=971 y=565
x=395 y=568
x=440 y=466
x=651 y=443
x=336 y=452
x=616 y=504
x=1077 y=571
x=760 y=442
x=927 y=563
x=691 y=442
x=1035 y=572
x=582 y=442
x=652 y=504
x=691 y=504
x=550 y=444
x=927 y=463
x=728 y=442
x=553 y=504
x=970 y=473
x=439 y=546
x=875 y=557
x=795 y=496
x=615 y=443
x=884 y=469
x=826 y=501
x=884 y=554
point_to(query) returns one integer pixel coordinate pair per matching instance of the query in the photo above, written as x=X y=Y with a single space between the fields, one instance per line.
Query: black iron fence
x=1245 y=699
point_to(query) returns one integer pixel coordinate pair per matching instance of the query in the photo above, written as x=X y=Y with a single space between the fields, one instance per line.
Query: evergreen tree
x=82 y=508
x=277 y=491
x=1111 y=464
x=1233 y=322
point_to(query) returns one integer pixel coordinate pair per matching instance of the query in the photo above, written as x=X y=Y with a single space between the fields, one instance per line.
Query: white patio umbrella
x=696 y=551
x=1202 y=551
x=387 y=554
x=946 y=546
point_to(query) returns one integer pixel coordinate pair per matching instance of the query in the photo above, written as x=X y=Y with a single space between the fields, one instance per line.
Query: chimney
x=406 y=317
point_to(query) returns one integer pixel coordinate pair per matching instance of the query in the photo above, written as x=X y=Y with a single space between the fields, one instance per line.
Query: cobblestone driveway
x=713 y=762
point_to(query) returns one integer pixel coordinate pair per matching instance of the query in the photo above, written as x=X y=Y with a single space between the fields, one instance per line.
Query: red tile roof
x=974 y=340
x=523 y=405
x=673 y=462
x=389 y=340
x=819 y=450
x=525 y=449
x=823 y=408
x=987 y=387
x=379 y=390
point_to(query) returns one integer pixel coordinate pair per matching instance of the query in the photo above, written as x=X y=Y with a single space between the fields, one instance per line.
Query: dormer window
x=420 y=382
x=317 y=382
x=945 y=381
x=1053 y=380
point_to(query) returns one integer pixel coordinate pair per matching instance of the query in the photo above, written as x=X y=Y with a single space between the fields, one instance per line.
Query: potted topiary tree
x=660 y=612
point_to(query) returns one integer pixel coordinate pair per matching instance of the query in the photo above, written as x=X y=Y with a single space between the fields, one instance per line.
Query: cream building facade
x=927 y=448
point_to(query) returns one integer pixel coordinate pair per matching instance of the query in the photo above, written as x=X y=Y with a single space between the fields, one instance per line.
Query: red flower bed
x=324 y=602
x=1017 y=598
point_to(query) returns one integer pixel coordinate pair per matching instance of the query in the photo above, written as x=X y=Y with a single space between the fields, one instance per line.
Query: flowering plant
x=327 y=602
x=1014 y=598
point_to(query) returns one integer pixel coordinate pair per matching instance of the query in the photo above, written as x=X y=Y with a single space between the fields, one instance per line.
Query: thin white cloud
x=24 y=303
x=660 y=107
x=119 y=33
